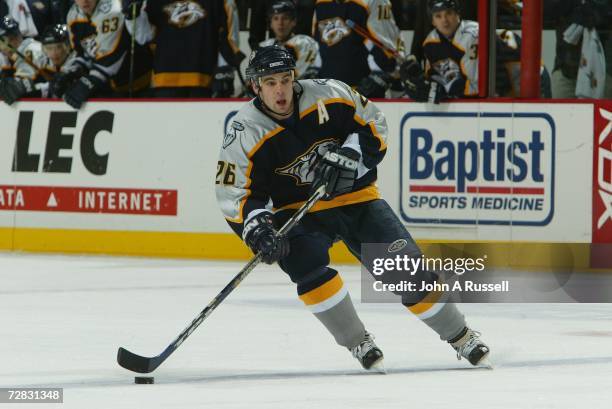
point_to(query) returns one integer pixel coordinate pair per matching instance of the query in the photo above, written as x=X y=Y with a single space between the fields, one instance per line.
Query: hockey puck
x=144 y=379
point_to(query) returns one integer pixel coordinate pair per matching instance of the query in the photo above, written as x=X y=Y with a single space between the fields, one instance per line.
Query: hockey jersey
x=188 y=35
x=304 y=48
x=32 y=50
x=268 y=165
x=103 y=45
x=344 y=53
x=453 y=62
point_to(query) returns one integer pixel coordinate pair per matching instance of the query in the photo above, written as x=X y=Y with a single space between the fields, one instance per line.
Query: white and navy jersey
x=344 y=53
x=32 y=50
x=52 y=68
x=304 y=48
x=103 y=45
x=453 y=62
x=268 y=165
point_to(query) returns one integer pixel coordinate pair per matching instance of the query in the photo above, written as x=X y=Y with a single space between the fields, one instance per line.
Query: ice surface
x=62 y=319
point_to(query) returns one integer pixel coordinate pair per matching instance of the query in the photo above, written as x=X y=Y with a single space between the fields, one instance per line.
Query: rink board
x=138 y=178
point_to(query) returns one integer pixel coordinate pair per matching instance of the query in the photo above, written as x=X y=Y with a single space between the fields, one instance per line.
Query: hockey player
x=188 y=36
x=344 y=54
x=25 y=57
x=451 y=50
x=283 y=19
x=296 y=136
x=103 y=45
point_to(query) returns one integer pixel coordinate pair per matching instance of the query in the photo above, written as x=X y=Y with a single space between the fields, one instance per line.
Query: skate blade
x=485 y=362
x=378 y=367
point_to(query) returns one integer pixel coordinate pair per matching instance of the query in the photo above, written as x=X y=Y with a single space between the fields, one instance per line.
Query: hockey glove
x=80 y=91
x=374 y=85
x=63 y=79
x=337 y=169
x=415 y=84
x=262 y=238
x=223 y=83
x=11 y=89
x=127 y=8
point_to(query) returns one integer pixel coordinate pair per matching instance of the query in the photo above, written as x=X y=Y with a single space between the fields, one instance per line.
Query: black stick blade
x=137 y=363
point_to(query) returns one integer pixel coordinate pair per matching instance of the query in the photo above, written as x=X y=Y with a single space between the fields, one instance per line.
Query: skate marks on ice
x=179 y=377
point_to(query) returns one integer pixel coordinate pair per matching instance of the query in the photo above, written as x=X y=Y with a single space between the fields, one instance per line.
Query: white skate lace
x=367 y=344
x=468 y=345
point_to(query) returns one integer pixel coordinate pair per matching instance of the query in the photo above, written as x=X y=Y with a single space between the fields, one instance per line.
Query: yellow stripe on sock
x=323 y=292
x=427 y=303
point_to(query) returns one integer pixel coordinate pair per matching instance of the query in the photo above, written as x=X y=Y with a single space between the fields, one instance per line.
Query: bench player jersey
x=344 y=53
x=453 y=62
x=103 y=44
x=188 y=36
x=31 y=49
x=304 y=48
x=266 y=165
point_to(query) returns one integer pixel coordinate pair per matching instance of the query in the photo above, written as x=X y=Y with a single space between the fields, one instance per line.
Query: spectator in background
x=104 y=50
x=283 y=19
x=26 y=59
x=188 y=36
x=344 y=53
x=583 y=63
x=33 y=16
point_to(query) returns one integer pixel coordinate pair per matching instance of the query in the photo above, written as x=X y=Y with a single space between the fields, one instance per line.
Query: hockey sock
x=331 y=303
x=442 y=317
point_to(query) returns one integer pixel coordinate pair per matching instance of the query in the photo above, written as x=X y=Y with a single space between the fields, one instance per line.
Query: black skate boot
x=368 y=354
x=469 y=346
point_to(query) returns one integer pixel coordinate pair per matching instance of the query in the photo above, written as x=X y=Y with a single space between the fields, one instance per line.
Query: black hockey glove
x=415 y=84
x=223 y=83
x=63 y=79
x=11 y=89
x=374 y=85
x=337 y=169
x=80 y=91
x=127 y=9
x=262 y=238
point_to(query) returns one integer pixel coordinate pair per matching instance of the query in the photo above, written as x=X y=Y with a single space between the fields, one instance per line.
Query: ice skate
x=368 y=354
x=469 y=346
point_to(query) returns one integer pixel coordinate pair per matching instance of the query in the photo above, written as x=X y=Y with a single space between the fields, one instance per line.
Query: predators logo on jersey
x=301 y=169
x=184 y=13
x=333 y=30
x=447 y=70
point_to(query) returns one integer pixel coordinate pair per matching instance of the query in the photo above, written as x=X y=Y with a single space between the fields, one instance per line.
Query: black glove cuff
x=262 y=220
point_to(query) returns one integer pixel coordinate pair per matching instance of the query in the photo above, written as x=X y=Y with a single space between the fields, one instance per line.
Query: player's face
x=445 y=21
x=56 y=52
x=282 y=25
x=87 y=6
x=276 y=91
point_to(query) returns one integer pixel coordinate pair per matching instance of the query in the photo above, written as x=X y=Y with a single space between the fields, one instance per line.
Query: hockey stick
x=366 y=35
x=28 y=61
x=142 y=364
x=132 y=49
